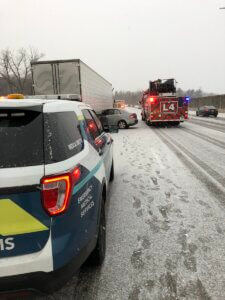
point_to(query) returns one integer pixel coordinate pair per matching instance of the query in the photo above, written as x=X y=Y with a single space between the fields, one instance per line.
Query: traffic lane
x=161 y=220
x=211 y=132
x=202 y=147
x=205 y=122
x=211 y=119
x=181 y=207
x=208 y=124
x=203 y=192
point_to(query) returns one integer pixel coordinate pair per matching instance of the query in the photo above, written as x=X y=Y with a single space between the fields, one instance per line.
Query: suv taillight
x=57 y=190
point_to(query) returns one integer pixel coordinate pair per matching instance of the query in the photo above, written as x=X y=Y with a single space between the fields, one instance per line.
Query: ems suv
x=55 y=166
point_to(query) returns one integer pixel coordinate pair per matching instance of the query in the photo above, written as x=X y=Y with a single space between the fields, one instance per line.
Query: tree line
x=134 y=97
x=16 y=77
x=15 y=70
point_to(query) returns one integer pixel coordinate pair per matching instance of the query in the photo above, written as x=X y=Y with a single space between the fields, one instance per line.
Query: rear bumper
x=45 y=282
x=41 y=261
x=166 y=121
x=131 y=123
x=207 y=114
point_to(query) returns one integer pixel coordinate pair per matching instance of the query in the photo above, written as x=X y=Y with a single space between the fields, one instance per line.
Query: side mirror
x=112 y=129
x=108 y=125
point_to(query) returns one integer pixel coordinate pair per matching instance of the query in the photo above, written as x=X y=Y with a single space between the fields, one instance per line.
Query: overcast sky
x=129 y=42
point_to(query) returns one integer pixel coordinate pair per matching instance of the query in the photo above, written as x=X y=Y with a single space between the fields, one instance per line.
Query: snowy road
x=166 y=212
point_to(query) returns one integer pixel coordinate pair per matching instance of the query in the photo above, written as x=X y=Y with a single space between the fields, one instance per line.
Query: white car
x=118 y=117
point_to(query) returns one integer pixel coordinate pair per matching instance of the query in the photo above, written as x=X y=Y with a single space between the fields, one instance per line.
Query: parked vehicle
x=56 y=163
x=72 y=79
x=119 y=104
x=206 y=111
x=160 y=103
x=120 y=117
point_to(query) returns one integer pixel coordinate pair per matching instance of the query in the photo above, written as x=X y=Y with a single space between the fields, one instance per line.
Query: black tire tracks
x=210 y=125
x=213 y=181
x=205 y=137
x=206 y=119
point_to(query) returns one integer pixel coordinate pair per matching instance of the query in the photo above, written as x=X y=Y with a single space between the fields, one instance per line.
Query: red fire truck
x=160 y=103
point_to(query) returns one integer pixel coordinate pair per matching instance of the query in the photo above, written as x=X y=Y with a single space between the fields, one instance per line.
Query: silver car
x=118 y=117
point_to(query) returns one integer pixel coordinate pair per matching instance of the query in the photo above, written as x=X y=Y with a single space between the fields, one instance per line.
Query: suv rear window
x=23 y=143
x=21 y=138
x=62 y=136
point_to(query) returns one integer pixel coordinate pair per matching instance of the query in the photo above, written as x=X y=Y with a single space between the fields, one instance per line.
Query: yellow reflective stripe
x=14 y=220
x=80 y=117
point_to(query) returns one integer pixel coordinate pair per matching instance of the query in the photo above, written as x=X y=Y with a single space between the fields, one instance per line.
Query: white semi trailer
x=71 y=79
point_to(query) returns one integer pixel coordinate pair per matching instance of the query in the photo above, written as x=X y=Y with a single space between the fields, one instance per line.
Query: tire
x=148 y=123
x=176 y=123
x=98 y=255
x=122 y=124
x=197 y=113
x=215 y=116
x=111 y=178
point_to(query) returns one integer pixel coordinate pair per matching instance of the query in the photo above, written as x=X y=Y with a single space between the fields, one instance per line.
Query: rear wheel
x=98 y=255
x=148 y=122
x=111 y=178
x=122 y=124
x=197 y=114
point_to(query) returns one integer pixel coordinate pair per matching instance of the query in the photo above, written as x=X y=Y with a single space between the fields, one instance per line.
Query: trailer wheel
x=122 y=124
x=147 y=122
x=143 y=117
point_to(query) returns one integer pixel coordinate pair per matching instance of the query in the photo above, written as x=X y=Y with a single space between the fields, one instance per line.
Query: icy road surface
x=166 y=216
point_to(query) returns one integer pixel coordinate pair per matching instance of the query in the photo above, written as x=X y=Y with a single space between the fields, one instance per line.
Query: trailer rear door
x=43 y=79
x=68 y=78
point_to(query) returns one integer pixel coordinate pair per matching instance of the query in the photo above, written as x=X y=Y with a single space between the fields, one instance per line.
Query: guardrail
x=217 y=101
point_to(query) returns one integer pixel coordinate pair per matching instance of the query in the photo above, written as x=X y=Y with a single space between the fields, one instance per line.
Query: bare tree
x=15 y=67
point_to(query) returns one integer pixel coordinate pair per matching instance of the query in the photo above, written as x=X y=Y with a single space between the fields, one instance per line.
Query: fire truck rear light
x=57 y=190
x=152 y=99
